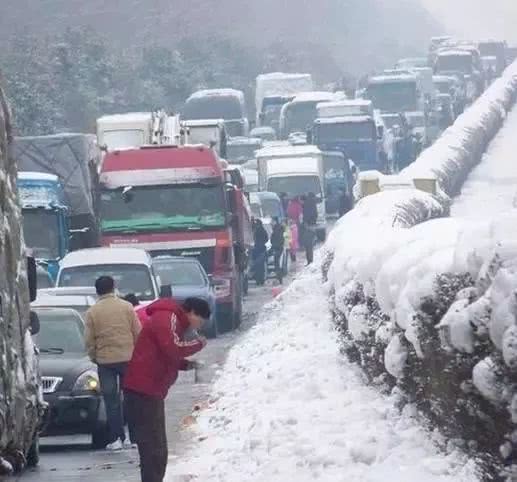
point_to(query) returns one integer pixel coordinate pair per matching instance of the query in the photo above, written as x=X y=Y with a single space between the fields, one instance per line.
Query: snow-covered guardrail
x=427 y=306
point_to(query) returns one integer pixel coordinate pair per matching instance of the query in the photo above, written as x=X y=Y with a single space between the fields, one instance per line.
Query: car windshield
x=454 y=63
x=334 y=166
x=226 y=107
x=60 y=330
x=347 y=131
x=129 y=278
x=294 y=185
x=240 y=153
x=41 y=232
x=179 y=273
x=162 y=208
x=299 y=117
x=394 y=96
x=271 y=208
x=122 y=139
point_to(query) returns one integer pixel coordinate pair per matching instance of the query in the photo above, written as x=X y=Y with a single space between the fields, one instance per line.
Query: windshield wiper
x=55 y=351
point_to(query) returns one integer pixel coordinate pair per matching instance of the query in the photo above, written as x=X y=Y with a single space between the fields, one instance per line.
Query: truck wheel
x=100 y=436
x=33 y=453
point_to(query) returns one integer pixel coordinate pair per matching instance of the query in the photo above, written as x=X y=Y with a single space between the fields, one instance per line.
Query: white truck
x=295 y=171
x=135 y=129
x=209 y=132
x=275 y=89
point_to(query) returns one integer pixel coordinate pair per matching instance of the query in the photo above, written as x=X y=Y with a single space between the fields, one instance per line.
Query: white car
x=131 y=268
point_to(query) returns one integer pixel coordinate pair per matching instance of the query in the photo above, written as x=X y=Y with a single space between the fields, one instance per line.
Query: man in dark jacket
x=259 y=253
x=277 y=243
x=310 y=210
x=159 y=354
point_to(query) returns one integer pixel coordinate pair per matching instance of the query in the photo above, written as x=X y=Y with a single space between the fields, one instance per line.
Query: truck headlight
x=222 y=287
x=88 y=381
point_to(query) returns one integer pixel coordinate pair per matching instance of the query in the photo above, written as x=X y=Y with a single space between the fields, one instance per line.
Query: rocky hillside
x=357 y=34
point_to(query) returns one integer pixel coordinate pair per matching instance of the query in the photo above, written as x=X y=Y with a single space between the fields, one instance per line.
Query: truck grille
x=50 y=384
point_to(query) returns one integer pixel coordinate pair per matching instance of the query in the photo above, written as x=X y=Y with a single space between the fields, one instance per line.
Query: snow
x=314 y=96
x=217 y=93
x=129 y=118
x=288 y=151
x=37 y=176
x=385 y=79
x=395 y=357
x=289 y=406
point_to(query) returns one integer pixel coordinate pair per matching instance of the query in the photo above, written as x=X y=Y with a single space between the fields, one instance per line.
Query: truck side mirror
x=34 y=325
x=32 y=277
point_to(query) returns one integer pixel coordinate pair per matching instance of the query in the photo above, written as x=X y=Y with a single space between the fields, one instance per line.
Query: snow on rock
x=288 y=406
x=395 y=357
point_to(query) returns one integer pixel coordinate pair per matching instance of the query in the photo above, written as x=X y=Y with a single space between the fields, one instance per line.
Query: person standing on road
x=310 y=210
x=277 y=243
x=295 y=210
x=309 y=238
x=259 y=253
x=112 y=328
x=159 y=354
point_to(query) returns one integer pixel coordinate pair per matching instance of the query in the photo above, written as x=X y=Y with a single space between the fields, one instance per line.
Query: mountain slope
x=358 y=34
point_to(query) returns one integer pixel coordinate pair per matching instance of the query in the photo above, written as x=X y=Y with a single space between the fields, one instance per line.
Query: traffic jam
x=214 y=203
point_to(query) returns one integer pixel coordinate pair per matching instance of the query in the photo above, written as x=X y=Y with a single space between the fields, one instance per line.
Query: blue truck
x=58 y=190
x=356 y=136
x=45 y=218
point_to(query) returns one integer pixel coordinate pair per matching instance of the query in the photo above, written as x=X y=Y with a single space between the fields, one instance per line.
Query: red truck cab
x=176 y=200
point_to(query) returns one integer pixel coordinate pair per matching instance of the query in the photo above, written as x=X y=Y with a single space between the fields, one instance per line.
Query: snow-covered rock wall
x=19 y=383
x=427 y=306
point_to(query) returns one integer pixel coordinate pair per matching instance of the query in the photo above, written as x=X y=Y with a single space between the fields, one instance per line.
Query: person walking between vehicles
x=277 y=244
x=295 y=210
x=309 y=238
x=260 y=239
x=160 y=352
x=111 y=331
x=310 y=210
x=294 y=245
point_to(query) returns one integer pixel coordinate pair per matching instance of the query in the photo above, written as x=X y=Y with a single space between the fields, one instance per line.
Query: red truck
x=179 y=200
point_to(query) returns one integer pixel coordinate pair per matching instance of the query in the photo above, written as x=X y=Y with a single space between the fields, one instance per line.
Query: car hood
x=66 y=366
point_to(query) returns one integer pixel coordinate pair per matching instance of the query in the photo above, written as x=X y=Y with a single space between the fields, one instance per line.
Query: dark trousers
x=309 y=252
x=110 y=377
x=146 y=417
x=277 y=254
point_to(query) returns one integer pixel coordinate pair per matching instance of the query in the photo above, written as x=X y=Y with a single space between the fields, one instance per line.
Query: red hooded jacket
x=160 y=350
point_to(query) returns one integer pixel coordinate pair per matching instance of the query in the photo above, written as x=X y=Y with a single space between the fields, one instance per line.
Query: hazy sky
x=477 y=18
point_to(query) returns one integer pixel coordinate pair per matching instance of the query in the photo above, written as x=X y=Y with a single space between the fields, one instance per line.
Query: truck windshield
x=394 y=96
x=123 y=139
x=224 y=107
x=454 y=63
x=129 y=278
x=346 y=131
x=295 y=185
x=41 y=232
x=299 y=117
x=162 y=208
x=240 y=153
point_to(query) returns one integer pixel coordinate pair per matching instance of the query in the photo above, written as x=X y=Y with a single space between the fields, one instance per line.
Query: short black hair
x=131 y=298
x=199 y=306
x=104 y=285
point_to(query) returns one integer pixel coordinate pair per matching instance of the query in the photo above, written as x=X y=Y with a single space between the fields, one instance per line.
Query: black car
x=69 y=379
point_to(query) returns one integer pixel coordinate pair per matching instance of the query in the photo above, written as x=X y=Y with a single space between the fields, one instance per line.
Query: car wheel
x=100 y=436
x=33 y=453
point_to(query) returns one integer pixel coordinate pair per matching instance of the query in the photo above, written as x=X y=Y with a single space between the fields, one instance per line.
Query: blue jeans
x=110 y=377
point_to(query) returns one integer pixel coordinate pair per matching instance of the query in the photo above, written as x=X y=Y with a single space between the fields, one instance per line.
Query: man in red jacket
x=159 y=354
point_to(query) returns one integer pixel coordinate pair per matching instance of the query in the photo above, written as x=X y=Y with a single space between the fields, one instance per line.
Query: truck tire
x=33 y=453
x=100 y=436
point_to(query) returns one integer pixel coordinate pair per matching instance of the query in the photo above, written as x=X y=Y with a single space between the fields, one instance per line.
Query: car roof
x=105 y=256
x=62 y=301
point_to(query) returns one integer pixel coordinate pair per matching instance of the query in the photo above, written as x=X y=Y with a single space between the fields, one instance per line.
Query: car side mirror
x=166 y=291
x=34 y=325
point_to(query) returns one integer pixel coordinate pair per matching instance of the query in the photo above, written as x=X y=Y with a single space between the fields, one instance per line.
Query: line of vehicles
x=165 y=203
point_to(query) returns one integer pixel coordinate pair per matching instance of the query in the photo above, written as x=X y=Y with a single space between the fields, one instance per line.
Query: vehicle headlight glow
x=88 y=381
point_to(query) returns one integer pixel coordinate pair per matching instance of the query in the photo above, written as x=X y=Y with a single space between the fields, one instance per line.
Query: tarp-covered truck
x=74 y=159
x=21 y=404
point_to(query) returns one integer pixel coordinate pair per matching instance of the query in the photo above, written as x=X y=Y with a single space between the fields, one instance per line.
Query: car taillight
x=222 y=287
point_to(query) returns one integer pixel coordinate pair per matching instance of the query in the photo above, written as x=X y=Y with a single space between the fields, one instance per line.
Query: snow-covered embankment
x=431 y=309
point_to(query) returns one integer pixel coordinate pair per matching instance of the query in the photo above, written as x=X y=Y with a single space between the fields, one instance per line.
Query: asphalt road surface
x=71 y=459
